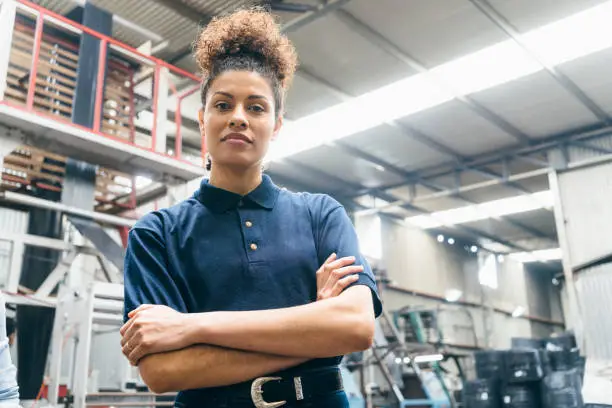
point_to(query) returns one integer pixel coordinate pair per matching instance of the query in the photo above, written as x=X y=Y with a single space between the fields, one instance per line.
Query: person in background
x=9 y=390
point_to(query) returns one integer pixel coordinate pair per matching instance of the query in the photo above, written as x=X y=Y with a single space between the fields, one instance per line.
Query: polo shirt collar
x=220 y=200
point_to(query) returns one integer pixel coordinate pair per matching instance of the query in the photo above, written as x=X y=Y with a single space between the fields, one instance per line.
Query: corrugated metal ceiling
x=431 y=31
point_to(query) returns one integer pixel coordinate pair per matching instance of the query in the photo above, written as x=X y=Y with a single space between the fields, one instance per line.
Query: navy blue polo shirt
x=220 y=251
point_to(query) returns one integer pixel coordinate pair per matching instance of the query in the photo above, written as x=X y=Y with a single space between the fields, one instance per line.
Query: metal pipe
x=16 y=198
x=155 y=107
x=99 y=108
x=449 y=193
x=308 y=18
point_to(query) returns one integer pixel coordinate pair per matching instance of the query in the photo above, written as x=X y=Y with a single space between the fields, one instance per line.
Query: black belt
x=267 y=392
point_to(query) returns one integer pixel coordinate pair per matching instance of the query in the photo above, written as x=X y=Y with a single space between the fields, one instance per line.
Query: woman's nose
x=238 y=119
x=238 y=123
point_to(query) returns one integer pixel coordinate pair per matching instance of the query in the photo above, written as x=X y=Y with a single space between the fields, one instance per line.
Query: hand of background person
x=335 y=275
x=153 y=329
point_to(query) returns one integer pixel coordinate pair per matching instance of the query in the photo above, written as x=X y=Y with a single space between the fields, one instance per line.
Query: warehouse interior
x=470 y=141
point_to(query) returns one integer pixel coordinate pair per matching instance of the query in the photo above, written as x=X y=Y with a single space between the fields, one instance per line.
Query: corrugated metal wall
x=15 y=222
x=594 y=287
x=587 y=220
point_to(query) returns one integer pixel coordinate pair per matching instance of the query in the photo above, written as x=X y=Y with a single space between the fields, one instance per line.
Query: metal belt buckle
x=257 y=393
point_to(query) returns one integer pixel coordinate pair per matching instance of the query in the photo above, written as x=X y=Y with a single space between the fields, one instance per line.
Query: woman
x=246 y=294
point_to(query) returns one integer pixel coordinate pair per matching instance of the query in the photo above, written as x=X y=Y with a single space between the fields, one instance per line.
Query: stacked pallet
x=29 y=166
x=56 y=78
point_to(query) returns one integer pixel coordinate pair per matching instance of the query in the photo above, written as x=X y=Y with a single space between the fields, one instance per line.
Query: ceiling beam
x=477 y=234
x=280 y=5
x=385 y=44
x=517 y=152
x=185 y=11
x=503 y=24
x=356 y=152
x=322 y=10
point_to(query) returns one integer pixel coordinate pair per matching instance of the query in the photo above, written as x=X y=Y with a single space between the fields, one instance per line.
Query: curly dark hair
x=247 y=40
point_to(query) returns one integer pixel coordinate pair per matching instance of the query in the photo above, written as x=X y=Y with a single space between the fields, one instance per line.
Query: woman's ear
x=277 y=127
x=201 y=120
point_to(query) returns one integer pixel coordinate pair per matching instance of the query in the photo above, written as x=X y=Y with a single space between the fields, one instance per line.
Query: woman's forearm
x=204 y=366
x=326 y=328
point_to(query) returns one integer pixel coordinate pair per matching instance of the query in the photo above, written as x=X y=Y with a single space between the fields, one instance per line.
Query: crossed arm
x=240 y=346
x=177 y=351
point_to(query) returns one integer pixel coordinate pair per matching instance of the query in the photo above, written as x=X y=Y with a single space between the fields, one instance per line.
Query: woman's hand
x=153 y=329
x=335 y=275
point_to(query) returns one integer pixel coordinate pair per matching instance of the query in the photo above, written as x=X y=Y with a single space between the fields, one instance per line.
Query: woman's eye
x=222 y=105
x=257 y=108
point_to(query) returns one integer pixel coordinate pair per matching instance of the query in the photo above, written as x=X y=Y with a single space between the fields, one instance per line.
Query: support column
x=7 y=21
x=161 y=106
x=34 y=324
x=87 y=72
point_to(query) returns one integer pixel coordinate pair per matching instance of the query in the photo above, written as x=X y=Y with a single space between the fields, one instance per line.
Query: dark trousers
x=333 y=400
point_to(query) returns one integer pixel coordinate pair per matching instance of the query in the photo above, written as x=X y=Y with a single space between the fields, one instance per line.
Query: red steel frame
x=105 y=42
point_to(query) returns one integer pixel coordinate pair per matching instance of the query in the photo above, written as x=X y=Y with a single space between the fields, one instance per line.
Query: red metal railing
x=111 y=47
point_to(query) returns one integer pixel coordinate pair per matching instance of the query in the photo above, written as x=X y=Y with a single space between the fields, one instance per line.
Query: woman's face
x=239 y=119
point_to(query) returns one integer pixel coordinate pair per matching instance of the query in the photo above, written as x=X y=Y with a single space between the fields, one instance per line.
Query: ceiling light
x=406 y=360
x=565 y=40
x=440 y=238
x=379 y=167
x=543 y=255
x=500 y=258
x=474 y=249
x=453 y=295
x=490 y=209
x=451 y=241
x=430 y=358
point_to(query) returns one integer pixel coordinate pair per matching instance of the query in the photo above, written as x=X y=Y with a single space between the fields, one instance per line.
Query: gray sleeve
x=9 y=390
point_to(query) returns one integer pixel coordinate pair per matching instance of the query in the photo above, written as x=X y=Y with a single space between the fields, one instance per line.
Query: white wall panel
x=585 y=194
x=14 y=222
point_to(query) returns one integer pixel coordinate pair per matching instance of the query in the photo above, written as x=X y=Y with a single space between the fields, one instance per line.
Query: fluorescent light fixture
x=518 y=312
x=556 y=43
x=477 y=212
x=453 y=295
x=542 y=255
x=429 y=358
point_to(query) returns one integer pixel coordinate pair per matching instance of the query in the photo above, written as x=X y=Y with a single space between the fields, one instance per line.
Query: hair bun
x=248 y=31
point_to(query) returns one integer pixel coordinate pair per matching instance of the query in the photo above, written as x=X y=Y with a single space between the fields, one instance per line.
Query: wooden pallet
x=30 y=166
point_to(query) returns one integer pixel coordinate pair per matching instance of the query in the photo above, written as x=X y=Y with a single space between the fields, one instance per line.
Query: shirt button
x=248 y=224
x=254 y=247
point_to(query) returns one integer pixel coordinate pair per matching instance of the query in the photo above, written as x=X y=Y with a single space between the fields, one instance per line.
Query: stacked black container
x=532 y=374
